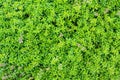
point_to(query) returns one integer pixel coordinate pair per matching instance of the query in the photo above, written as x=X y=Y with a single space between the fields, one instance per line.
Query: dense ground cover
x=60 y=39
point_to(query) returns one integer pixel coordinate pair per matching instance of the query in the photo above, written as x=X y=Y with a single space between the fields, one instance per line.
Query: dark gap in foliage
x=105 y=29
x=7 y=19
x=44 y=13
x=40 y=18
x=55 y=75
x=42 y=56
x=83 y=54
x=5 y=36
x=64 y=37
x=94 y=10
x=75 y=22
x=113 y=38
x=70 y=34
x=97 y=45
x=16 y=30
x=108 y=56
x=116 y=17
x=69 y=63
x=39 y=43
x=51 y=38
x=85 y=31
x=28 y=75
x=37 y=36
x=117 y=65
x=70 y=1
x=21 y=46
x=88 y=21
x=71 y=77
x=25 y=31
x=90 y=73
x=95 y=16
x=109 y=12
x=1 y=5
x=115 y=8
x=60 y=62
x=41 y=65
x=75 y=30
x=65 y=18
x=8 y=27
x=26 y=15
x=69 y=27
x=59 y=76
x=54 y=23
x=67 y=21
x=102 y=57
x=17 y=9
x=99 y=74
x=97 y=10
x=91 y=9
x=114 y=30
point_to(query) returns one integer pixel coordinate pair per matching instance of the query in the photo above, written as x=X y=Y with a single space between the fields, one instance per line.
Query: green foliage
x=59 y=39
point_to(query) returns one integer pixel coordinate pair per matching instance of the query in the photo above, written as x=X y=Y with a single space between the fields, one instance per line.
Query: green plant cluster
x=59 y=39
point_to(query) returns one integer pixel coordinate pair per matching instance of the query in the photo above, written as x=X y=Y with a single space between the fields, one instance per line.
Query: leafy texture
x=60 y=39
